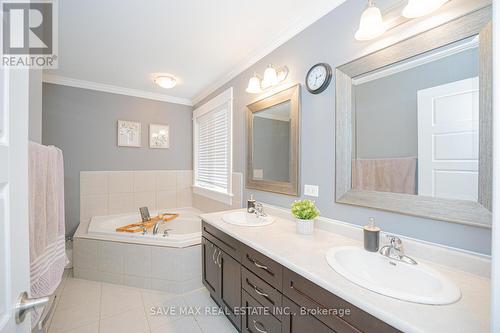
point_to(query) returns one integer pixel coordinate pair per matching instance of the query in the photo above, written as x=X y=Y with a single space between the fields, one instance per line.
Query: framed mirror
x=413 y=125
x=273 y=143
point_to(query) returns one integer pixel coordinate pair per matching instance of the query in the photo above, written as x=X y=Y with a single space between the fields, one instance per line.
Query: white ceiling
x=119 y=43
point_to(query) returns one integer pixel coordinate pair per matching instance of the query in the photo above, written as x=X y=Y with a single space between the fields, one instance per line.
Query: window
x=212 y=131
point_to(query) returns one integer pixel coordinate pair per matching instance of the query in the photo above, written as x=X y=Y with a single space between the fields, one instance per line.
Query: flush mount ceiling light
x=166 y=81
x=418 y=8
x=371 y=24
x=272 y=77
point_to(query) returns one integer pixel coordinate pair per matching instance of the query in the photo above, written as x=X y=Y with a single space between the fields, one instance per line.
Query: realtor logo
x=29 y=34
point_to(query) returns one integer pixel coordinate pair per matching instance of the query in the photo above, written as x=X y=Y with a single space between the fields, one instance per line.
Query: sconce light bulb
x=254 y=85
x=371 y=24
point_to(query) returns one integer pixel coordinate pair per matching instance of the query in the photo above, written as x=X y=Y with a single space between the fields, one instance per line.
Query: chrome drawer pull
x=256 y=263
x=258 y=291
x=261 y=330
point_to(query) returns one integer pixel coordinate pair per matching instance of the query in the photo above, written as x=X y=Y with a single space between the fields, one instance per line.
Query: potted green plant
x=305 y=212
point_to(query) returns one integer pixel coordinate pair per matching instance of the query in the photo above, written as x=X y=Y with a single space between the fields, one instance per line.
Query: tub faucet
x=395 y=250
x=156 y=226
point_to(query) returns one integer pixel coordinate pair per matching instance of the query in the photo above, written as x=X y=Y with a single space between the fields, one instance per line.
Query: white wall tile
x=137 y=260
x=120 y=203
x=85 y=252
x=185 y=197
x=121 y=182
x=137 y=281
x=145 y=199
x=184 y=179
x=111 y=257
x=93 y=205
x=93 y=182
x=165 y=262
x=191 y=263
x=144 y=181
x=166 y=180
x=166 y=199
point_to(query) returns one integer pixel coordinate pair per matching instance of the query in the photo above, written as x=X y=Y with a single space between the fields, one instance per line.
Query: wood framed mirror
x=413 y=125
x=273 y=143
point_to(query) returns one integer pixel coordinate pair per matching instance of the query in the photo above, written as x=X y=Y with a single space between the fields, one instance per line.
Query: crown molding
x=71 y=82
x=293 y=29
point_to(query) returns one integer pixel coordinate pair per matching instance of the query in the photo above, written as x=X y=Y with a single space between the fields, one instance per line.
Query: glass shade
x=371 y=24
x=254 y=85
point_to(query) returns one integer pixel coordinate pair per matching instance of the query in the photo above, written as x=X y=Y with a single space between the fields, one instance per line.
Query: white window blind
x=212 y=148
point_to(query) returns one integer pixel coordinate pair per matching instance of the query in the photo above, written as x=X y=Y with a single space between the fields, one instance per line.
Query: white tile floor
x=94 y=307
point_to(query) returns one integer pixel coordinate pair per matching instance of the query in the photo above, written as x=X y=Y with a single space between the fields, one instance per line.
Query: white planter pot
x=305 y=227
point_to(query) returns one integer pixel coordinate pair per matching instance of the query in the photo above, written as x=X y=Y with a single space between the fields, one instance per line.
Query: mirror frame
x=457 y=211
x=291 y=94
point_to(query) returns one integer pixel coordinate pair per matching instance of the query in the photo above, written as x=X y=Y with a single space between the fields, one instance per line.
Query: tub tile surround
x=143 y=266
x=119 y=192
x=305 y=255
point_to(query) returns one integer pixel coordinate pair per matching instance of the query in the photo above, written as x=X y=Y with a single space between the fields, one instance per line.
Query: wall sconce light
x=272 y=77
x=418 y=8
x=371 y=24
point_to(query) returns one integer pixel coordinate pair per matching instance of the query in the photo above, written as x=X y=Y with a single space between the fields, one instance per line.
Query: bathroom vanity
x=270 y=279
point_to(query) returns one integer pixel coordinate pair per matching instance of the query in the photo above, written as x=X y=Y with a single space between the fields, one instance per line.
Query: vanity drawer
x=257 y=319
x=307 y=294
x=223 y=241
x=262 y=266
x=263 y=292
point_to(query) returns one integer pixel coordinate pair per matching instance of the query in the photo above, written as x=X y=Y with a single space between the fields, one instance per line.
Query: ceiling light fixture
x=272 y=77
x=165 y=81
x=418 y=8
x=371 y=24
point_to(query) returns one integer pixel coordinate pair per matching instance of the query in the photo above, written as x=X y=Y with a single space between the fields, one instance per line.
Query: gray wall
x=331 y=40
x=35 y=105
x=271 y=141
x=83 y=124
x=386 y=108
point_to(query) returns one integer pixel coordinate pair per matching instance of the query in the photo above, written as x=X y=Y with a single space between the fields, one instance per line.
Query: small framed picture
x=129 y=133
x=159 y=136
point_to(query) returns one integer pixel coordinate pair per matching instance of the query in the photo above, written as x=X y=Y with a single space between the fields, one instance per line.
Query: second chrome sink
x=414 y=283
x=247 y=219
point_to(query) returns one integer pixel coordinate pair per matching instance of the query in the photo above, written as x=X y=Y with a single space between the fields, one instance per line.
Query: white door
x=14 y=229
x=448 y=143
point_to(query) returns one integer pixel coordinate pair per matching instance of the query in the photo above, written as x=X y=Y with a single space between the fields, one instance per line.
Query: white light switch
x=311 y=190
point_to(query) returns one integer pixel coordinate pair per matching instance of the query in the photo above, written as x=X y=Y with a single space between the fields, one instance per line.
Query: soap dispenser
x=371 y=234
x=251 y=204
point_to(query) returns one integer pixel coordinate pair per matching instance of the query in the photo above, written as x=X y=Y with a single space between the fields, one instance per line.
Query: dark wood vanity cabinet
x=259 y=295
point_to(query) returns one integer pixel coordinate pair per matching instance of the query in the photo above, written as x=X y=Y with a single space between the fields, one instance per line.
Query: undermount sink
x=413 y=283
x=247 y=220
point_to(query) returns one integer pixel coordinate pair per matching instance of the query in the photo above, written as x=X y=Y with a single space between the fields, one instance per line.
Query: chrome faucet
x=156 y=226
x=395 y=250
x=258 y=210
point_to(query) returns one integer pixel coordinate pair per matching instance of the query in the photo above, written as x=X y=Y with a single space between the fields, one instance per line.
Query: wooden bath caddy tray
x=137 y=227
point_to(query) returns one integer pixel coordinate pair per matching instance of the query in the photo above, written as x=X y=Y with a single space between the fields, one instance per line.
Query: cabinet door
x=295 y=322
x=211 y=274
x=230 y=286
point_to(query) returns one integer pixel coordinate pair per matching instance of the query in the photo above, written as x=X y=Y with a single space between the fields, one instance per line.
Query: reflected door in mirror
x=416 y=125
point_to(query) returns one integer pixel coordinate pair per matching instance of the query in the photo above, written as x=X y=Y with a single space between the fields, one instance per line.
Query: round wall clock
x=318 y=78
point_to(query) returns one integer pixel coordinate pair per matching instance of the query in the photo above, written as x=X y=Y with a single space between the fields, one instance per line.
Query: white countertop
x=305 y=255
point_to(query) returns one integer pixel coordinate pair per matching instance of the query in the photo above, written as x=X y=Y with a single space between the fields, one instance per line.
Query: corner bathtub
x=184 y=231
x=169 y=263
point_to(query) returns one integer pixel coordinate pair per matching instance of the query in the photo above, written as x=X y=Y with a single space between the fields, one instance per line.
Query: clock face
x=318 y=78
